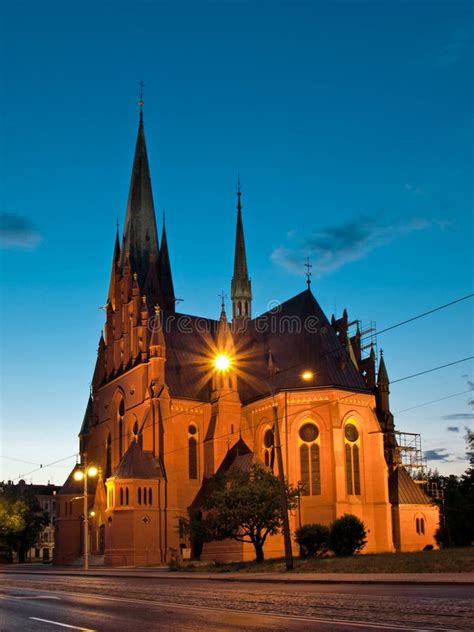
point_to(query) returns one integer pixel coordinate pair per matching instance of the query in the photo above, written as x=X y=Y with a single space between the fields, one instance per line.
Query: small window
x=126 y=495
x=150 y=502
x=139 y=495
x=121 y=496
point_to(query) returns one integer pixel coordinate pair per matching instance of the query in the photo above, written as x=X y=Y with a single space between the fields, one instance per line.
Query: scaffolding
x=368 y=336
x=410 y=455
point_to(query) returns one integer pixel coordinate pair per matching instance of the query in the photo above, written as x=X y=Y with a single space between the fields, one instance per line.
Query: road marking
x=62 y=625
x=40 y=597
x=170 y=604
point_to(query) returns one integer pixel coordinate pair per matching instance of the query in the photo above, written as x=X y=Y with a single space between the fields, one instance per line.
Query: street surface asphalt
x=39 y=602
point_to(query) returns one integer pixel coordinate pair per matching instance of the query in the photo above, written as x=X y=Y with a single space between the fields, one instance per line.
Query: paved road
x=38 y=602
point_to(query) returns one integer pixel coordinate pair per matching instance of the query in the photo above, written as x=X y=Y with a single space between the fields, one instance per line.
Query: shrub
x=312 y=539
x=347 y=535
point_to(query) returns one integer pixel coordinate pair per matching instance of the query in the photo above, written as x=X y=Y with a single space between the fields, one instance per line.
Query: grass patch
x=459 y=560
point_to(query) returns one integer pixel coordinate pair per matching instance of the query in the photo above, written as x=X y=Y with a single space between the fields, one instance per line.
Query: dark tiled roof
x=136 y=463
x=239 y=458
x=298 y=335
x=409 y=493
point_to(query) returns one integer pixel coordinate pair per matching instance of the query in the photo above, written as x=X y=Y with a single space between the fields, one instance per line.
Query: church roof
x=409 y=493
x=239 y=458
x=137 y=463
x=297 y=335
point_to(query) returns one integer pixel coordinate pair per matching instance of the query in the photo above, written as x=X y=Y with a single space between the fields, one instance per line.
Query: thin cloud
x=336 y=246
x=452 y=428
x=454 y=49
x=16 y=231
x=437 y=455
x=458 y=416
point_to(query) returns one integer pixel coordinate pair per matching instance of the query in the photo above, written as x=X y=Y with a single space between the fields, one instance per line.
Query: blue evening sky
x=351 y=125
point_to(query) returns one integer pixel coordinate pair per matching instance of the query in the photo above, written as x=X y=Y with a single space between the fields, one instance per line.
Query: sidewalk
x=163 y=573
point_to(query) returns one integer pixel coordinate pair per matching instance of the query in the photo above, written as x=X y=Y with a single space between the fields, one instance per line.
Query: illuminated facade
x=176 y=397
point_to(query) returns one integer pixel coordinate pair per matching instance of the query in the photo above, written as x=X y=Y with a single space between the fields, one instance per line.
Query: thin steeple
x=114 y=271
x=241 y=287
x=140 y=238
x=383 y=384
x=165 y=277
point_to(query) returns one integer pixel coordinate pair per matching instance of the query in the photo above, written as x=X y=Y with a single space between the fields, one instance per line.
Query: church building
x=177 y=397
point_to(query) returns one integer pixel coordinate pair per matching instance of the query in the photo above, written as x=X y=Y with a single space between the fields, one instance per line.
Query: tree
x=246 y=506
x=21 y=521
x=312 y=539
x=457 y=506
x=347 y=535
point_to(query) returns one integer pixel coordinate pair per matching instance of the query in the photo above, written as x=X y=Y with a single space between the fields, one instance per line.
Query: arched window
x=126 y=495
x=310 y=466
x=139 y=493
x=269 y=448
x=120 y=416
x=121 y=496
x=144 y=495
x=351 y=447
x=192 y=452
x=150 y=501
x=420 y=526
x=108 y=456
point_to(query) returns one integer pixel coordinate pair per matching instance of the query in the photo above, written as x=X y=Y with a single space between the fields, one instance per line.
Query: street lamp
x=222 y=362
x=83 y=474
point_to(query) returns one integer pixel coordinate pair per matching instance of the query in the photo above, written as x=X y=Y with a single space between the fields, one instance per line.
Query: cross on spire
x=141 y=86
x=308 y=265
x=222 y=296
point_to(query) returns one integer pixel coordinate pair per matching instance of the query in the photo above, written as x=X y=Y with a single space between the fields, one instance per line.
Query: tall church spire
x=140 y=238
x=241 y=287
x=383 y=383
x=164 y=273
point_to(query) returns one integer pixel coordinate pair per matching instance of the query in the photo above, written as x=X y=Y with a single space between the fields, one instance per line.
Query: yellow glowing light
x=78 y=475
x=92 y=471
x=222 y=362
x=92 y=513
x=307 y=375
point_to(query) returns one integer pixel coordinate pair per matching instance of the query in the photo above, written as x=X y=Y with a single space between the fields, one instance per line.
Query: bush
x=347 y=535
x=312 y=539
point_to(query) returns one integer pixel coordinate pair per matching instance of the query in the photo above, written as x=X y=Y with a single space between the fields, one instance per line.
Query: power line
x=436 y=368
x=433 y=401
x=9 y=458
x=320 y=404
x=431 y=311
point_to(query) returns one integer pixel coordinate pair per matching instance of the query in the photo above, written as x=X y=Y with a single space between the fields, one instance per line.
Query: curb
x=222 y=577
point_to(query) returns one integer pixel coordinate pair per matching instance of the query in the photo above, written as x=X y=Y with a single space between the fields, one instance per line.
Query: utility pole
x=86 y=518
x=284 y=497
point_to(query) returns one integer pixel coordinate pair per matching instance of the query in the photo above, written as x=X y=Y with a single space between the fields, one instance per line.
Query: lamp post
x=82 y=475
x=284 y=498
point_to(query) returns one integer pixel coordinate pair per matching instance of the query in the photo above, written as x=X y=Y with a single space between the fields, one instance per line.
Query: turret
x=165 y=277
x=241 y=286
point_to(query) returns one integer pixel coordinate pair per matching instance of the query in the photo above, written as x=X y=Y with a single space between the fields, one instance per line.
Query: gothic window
x=192 y=452
x=150 y=501
x=139 y=494
x=351 y=447
x=310 y=466
x=126 y=495
x=120 y=416
x=121 y=496
x=144 y=496
x=268 y=448
x=108 y=456
x=420 y=526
